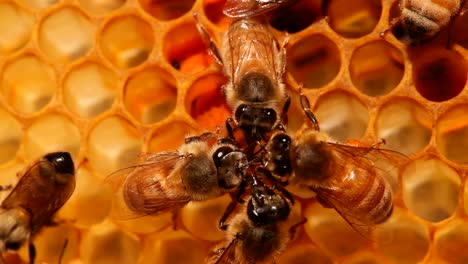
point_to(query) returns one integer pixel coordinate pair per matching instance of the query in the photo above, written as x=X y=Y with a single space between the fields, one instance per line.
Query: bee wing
x=328 y=197
x=250 y=8
x=246 y=43
x=226 y=255
x=148 y=193
x=41 y=196
x=367 y=158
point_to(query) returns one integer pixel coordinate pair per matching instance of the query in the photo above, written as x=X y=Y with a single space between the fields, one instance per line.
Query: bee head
x=412 y=31
x=254 y=119
x=63 y=165
x=230 y=165
x=267 y=207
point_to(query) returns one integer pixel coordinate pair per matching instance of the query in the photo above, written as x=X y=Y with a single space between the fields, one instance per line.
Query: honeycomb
x=108 y=79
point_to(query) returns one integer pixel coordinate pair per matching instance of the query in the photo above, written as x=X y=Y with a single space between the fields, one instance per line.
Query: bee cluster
x=253 y=158
x=256 y=160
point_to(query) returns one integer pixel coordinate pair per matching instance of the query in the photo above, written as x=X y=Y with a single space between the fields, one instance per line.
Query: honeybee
x=259 y=232
x=254 y=64
x=41 y=191
x=166 y=181
x=251 y=8
x=422 y=20
x=344 y=176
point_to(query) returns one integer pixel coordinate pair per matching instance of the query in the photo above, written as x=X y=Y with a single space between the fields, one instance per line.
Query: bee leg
x=32 y=253
x=230 y=128
x=309 y=114
x=2 y=259
x=212 y=49
x=62 y=252
x=324 y=8
x=222 y=222
x=6 y=187
x=293 y=228
x=281 y=67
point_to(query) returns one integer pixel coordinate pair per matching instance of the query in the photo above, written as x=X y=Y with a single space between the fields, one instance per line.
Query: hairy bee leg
x=32 y=252
x=212 y=48
x=62 y=252
x=309 y=114
x=6 y=187
x=230 y=128
x=293 y=228
x=281 y=68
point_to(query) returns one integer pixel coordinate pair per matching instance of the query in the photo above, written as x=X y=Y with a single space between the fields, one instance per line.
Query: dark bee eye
x=219 y=154
x=266 y=207
x=62 y=161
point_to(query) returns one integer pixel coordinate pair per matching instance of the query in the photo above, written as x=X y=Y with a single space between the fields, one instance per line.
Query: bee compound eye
x=62 y=161
x=220 y=153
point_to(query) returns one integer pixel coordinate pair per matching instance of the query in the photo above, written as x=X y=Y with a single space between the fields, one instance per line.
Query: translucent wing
x=250 y=8
x=140 y=190
x=42 y=196
x=251 y=43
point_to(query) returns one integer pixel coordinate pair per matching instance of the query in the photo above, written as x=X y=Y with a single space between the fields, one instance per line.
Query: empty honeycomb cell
x=441 y=76
x=101 y=7
x=104 y=155
x=49 y=133
x=213 y=11
x=405 y=125
x=89 y=89
x=150 y=95
x=430 y=189
x=451 y=241
x=31 y=94
x=146 y=224
x=38 y=4
x=185 y=50
x=10 y=136
x=353 y=21
x=90 y=201
x=296 y=17
x=302 y=254
x=341 y=115
x=205 y=102
x=313 y=61
x=452 y=134
x=201 y=218
x=173 y=247
x=126 y=41
x=166 y=10
x=16 y=26
x=400 y=231
x=106 y=244
x=330 y=232
x=376 y=68
x=66 y=35
x=50 y=242
x=170 y=136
